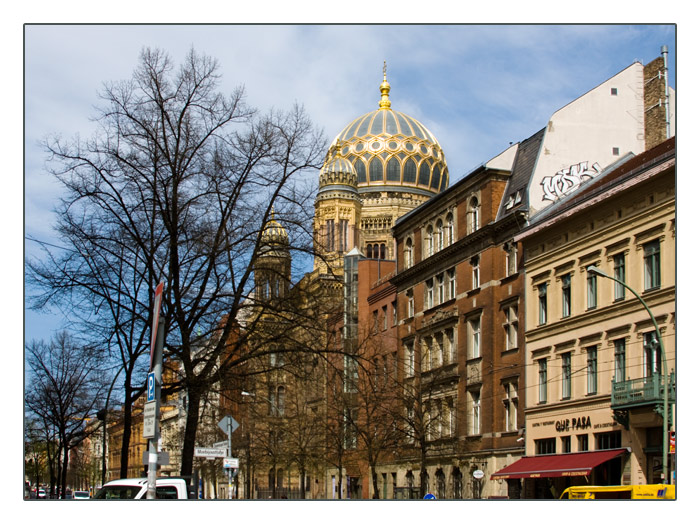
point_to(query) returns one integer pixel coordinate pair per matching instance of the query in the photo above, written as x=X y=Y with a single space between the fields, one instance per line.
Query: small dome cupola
x=274 y=235
x=337 y=173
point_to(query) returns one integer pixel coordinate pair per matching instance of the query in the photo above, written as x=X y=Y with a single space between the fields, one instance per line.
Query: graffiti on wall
x=567 y=180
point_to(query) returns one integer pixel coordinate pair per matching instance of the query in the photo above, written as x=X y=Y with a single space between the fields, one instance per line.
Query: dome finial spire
x=384 y=89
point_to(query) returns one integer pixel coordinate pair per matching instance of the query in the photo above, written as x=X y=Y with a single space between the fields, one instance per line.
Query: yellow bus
x=643 y=491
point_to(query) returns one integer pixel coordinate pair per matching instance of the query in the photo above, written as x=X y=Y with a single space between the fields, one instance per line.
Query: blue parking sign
x=151 y=387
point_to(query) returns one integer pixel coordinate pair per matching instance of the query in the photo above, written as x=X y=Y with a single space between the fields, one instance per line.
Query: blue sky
x=476 y=87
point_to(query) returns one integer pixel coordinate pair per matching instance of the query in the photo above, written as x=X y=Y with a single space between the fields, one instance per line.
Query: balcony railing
x=642 y=391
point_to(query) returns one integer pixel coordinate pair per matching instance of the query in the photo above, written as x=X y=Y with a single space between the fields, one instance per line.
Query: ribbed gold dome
x=337 y=173
x=274 y=233
x=389 y=148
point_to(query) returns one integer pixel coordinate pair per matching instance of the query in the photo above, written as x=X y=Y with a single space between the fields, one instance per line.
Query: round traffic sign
x=429 y=496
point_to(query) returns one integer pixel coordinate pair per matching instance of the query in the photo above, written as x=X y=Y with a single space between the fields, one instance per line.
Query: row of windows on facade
x=652 y=280
x=440 y=234
x=651 y=365
x=441 y=416
x=440 y=348
x=606 y=440
x=442 y=287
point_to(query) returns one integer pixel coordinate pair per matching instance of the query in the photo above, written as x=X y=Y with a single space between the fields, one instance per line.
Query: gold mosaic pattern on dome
x=387 y=147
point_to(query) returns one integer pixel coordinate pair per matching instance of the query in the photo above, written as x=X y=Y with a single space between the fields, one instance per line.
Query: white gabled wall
x=580 y=137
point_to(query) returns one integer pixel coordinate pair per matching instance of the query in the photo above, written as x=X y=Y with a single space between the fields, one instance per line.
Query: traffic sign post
x=153 y=383
x=228 y=425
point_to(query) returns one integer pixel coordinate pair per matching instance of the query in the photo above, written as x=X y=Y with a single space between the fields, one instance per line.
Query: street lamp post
x=596 y=271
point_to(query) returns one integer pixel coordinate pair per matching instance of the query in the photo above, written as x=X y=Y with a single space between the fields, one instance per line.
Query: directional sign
x=230 y=462
x=151 y=387
x=149 y=419
x=429 y=496
x=224 y=424
x=210 y=452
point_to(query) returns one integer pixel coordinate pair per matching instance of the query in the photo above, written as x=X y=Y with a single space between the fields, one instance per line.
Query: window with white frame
x=592 y=370
x=449 y=345
x=439 y=239
x=652 y=265
x=410 y=358
x=410 y=305
x=476 y=277
x=429 y=294
x=511 y=326
x=449 y=230
x=452 y=283
x=566 y=296
x=474 y=337
x=429 y=242
x=475 y=412
x=566 y=375
x=473 y=215
x=450 y=421
x=542 y=303
x=440 y=288
x=542 y=380
x=619 y=274
x=620 y=360
x=510 y=404
x=408 y=253
x=592 y=290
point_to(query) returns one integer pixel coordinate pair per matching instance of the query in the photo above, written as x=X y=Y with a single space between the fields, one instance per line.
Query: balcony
x=640 y=392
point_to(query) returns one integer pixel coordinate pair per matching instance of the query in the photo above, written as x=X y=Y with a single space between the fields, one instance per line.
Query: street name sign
x=221 y=444
x=149 y=419
x=210 y=452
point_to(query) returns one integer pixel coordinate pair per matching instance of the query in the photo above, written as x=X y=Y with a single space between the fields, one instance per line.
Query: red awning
x=566 y=465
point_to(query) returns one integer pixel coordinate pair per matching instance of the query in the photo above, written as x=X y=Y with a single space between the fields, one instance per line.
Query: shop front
x=547 y=476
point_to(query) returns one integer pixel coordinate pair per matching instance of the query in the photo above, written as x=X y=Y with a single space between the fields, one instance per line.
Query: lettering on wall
x=567 y=180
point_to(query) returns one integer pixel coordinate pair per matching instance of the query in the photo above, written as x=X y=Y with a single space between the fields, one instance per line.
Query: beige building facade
x=595 y=377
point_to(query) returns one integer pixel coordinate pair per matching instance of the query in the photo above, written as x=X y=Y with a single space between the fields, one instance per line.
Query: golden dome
x=274 y=233
x=337 y=173
x=392 y=150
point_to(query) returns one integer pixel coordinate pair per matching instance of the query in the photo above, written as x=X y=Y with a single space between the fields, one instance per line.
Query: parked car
x=166 y=488
x=41 y=493
x=81 y=495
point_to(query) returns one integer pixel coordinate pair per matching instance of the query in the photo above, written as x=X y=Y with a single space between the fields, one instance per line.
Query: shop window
x=545 y=446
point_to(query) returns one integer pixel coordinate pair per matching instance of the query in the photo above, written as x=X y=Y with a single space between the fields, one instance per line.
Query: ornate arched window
x=473 y=215
x=449 y=230
x=429 y=245
x=408 y=253
x=439 y=237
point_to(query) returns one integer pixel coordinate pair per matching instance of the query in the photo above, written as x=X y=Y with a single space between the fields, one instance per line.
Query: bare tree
x=64 y=387
x=177 y=185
